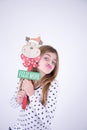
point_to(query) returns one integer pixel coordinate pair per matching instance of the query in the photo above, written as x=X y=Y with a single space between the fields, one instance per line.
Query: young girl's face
x=47 y=63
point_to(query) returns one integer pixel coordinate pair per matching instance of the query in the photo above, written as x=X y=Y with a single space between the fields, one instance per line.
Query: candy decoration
x=30 y=56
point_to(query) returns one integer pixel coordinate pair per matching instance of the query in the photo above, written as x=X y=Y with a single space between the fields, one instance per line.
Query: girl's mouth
x=49 y=66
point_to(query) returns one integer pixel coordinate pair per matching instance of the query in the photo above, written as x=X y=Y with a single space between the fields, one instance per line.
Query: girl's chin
x=44 y=71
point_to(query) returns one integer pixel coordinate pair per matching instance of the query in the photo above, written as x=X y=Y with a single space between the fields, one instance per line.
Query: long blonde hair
x=48 y=78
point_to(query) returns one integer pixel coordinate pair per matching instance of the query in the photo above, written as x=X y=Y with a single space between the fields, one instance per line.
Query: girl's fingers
x=22 y=92
x=27 y=82
x=20 y=96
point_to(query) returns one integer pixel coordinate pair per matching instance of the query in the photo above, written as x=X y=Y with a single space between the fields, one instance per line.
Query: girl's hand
x=28 y=87
x=20 y=96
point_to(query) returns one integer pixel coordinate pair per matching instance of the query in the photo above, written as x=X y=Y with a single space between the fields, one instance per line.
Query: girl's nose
x=50 y=62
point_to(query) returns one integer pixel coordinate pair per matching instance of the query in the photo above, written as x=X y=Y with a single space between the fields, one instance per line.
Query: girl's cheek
x=53 y=68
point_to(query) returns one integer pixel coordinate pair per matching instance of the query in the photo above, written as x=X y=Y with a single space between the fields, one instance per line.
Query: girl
x=42 y=94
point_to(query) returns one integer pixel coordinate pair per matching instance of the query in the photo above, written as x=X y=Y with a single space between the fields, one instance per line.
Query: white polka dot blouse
x=36 y=116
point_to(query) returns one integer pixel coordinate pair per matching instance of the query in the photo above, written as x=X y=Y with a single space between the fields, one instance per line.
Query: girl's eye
x=53 y=62
x=46 y=58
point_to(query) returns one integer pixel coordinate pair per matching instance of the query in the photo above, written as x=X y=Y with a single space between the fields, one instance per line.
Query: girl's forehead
x=49 y=53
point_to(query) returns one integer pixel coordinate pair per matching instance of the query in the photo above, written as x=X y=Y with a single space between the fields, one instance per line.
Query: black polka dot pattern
x=36 y=116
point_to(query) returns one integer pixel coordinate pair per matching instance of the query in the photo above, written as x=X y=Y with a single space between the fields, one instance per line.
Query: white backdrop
x=62 y=24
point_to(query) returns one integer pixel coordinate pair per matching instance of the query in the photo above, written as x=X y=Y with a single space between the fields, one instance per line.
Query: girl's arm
x=13 y=100
x=16 y=99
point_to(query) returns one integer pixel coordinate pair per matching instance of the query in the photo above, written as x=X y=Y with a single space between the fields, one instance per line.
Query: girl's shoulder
x=54 y=85
x=54 y=82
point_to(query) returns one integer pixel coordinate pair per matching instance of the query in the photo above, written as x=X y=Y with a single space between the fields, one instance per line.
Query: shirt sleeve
x=47 y=112
x=13 y=102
